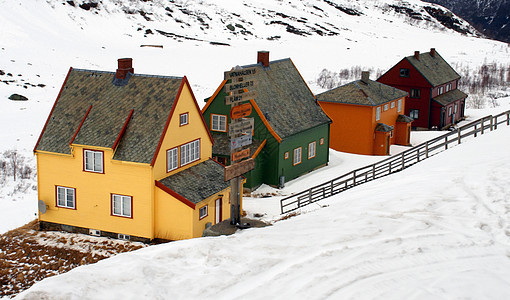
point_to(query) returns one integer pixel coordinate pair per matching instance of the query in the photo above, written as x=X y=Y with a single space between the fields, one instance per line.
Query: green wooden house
x=291 y=132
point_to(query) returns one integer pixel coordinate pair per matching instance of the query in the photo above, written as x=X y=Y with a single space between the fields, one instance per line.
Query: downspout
x=430 y=108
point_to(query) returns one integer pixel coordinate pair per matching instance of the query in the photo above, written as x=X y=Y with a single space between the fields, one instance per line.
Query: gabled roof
x=358 y=92
x=449 y=97
x=198 y=182
x=285 y=99
x=91 y=110
x=433 y=68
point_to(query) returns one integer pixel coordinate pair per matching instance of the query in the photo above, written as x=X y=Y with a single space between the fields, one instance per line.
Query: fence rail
x=394 y=163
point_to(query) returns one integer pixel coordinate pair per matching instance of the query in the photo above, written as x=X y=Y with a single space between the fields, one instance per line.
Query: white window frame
x=392 y=104
x=122 y=206
x=218 y=123
x=455 y=108
x=450 y=111
x=378 y=113
x=172 y=159
x=413 y=112
x=66 y=197
x=286 y=155
x=448 y=87
x=399 y=105
x=93 y=161
x=321 y=141
x=386 y=106
x=415 y=93
x=190 y=152
x=440 y=90
x=203 y=212
x=312 y=149
x=183 y=119
x=296 y=159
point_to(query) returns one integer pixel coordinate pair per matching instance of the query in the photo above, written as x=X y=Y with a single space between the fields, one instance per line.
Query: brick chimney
x=417 y=55
x=365 y=75
x=433 y=52
x=263 y=57
x=125 y=65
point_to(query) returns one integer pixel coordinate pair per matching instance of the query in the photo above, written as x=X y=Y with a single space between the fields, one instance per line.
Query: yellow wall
x=173 y=218
x=199 y=225
x=177 y=135
x=93 y=192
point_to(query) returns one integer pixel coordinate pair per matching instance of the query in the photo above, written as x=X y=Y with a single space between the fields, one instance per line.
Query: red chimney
x=417 y=55
x=125 y=66
x=263 y=57
x=433 y=52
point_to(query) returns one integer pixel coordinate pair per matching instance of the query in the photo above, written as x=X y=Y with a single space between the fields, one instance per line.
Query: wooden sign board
x=241 y=141
x=240 y=111
x=240 y=154
x=230 y=87
x=240 y=73
x=239 y=169
x=242 y=126
x=239 y=97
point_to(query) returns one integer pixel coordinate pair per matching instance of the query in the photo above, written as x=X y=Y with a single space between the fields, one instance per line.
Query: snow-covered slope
x=438 y=230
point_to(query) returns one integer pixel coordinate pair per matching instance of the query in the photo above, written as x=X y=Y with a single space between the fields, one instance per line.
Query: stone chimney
x=263 y=57
x=433 y=52
x=417 y=55
x=365 y=75
x=125 y=65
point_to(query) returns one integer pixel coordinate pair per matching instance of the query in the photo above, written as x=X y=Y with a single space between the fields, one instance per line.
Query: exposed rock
x=18 y=97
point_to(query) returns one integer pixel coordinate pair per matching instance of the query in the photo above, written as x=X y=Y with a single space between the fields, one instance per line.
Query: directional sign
x=242 y=126
x=240 y=73
x=240 y=111
x=230 y=87
x=239 y=168
x=239 y=97
x=240 y=154
x=241 y=141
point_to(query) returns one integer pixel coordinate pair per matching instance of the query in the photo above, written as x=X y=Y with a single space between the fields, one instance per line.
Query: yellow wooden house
x=127 y=156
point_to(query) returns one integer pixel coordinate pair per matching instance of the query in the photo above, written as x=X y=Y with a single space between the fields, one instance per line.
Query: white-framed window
x=93 y=161
x=218 y=122
x=399 y=105
x=378 y=113
x=448 y=87
x=391 y=134
x=450 y=111
x=183 y=119
x=440 y=90
x=190 y=152
x=121 y=205
x=455 y=108
x=297 y=156
x=203 y=212
x=392 y=104
x=386 y=106
x=404 y=72
x=286 y=155
x=172 y=159
x=311 y=149
x=66 y=197
x=321 y=141
x=415 y=93
x=414 y=113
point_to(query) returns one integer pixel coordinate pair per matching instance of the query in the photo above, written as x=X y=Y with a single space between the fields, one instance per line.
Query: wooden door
x=218 y=210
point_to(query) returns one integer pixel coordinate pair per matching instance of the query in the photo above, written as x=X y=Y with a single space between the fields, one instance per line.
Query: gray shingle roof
x=449 y=97
x=285 y=100
x=198 y=182
x=434 y=68
x=404 y=119
x=150 y=97
x=381 y=127
x=371 y=93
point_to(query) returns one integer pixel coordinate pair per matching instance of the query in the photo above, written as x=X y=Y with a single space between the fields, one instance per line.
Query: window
x=93 y=161
x=450 y=111
x=203 y=212
x=183 y=118
x=286 y=155
x=391 y=134
x=218 y=123
x=297 y=156
x=385 y=107
x=311 y=149
x=440 y=90
x=414 y=113
x=172 y=162
x=448 y=87
x=399 y=105
x=121 y=205
x=321 y=141
x=190 y=152
x=455 y=108
x=392 y=105
x=66 y=197
x=404 y=72
x=378 y=113
x=415 y=93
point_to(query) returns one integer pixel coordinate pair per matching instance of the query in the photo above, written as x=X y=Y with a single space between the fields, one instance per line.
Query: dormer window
x=93 y=161
x=183 y=119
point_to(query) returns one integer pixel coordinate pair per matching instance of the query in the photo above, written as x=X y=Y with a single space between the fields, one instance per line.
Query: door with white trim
x=218 y=211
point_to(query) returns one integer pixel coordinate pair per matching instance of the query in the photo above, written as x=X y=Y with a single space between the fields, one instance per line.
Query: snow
x=438 y=230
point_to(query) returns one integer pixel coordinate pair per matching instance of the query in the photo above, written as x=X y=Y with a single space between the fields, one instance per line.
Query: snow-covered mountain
x=492 y=17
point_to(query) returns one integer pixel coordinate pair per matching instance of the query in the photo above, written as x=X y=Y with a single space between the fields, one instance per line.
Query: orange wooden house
x=367 y=117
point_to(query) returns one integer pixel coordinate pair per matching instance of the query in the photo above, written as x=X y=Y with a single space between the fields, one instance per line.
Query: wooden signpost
x=240 y=132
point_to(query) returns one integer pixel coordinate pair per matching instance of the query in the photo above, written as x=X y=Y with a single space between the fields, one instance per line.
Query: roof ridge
x=137 y=74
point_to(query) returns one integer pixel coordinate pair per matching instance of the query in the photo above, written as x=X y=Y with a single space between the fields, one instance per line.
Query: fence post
x=418 y=155
x=508 y=118
x=483 y=121
x=331 y=187
x=495 y=122
x=458 y=135
x=354 y=177
x=446 y=143
x=475 y=130
x=403 y=161
x=373 y=172
x=427 y=149
x=310 y=196
x=389 y=167
x=492 y=122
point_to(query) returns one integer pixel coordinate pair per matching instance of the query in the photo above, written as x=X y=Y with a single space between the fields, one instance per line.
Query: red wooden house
x=434 y=100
